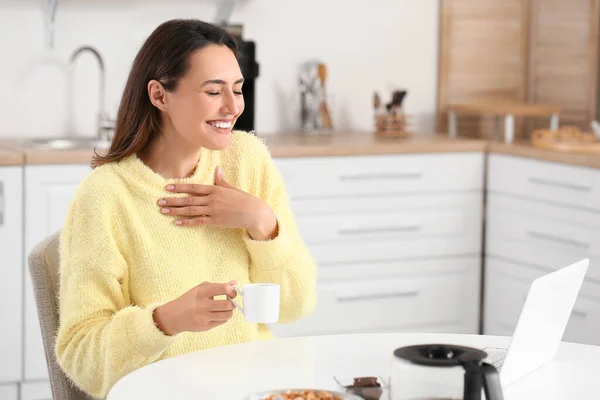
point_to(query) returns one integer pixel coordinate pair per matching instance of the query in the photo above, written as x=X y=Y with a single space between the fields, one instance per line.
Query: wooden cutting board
x=566 y=139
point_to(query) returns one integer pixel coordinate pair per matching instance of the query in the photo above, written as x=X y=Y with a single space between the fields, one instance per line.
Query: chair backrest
x=44 y=266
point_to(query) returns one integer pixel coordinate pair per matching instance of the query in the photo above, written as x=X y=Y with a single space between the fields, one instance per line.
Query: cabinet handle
x=2 y=211
x=579 y=314
x=558 y=239
x=388 y=229
x=368 y=177
x=377 y=296
x=564 y=185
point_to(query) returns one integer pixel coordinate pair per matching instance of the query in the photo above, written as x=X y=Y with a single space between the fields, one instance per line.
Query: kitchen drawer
x=368 y=204
x=354 y=271
x=544 y=232
x=382 y=226
x=310 y=177
x=506 y=286
x=551 y=182
x=539 y=257
x=387 y=247
x=440 y=297
x=545 y=235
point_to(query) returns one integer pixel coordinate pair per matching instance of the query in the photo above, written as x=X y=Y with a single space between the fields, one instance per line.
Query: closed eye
x=218 y=93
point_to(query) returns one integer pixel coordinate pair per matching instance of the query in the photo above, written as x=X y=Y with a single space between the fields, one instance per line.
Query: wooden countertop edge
x=13 y=155
x=11 y=158
x=527 y=151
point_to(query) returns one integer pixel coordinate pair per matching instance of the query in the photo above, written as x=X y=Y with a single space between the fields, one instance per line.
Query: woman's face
x=208 y=100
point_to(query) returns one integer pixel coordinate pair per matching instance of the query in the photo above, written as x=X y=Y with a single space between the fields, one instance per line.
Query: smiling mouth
x=221 y=125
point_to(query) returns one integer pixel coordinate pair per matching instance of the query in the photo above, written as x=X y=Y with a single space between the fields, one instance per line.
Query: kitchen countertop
x=525 y=149
x=342 y=144
x=9 y=157
x=294 y=145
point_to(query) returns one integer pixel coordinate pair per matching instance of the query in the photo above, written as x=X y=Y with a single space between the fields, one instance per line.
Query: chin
x=220 y=142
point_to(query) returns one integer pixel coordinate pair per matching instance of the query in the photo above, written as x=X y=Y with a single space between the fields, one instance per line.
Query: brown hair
x=164 y=57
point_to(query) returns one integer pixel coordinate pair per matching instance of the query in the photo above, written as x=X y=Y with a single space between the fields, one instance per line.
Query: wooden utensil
x=325 y=116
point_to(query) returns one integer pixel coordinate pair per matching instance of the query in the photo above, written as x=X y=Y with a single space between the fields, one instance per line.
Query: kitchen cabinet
x=36 y=391
x=11 y=275
x=541 y=216
x=534 y=51
x=9 y=392
x=396 y=241
x=49 y=190
x=563 y=61
x=482 y=56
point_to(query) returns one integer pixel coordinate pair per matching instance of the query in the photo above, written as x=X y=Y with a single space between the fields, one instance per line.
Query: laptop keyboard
x=495 y=356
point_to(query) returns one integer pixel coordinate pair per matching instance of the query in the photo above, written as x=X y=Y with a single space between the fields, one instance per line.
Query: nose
x=230 y=104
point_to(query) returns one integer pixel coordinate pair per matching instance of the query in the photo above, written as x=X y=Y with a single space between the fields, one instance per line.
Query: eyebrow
x=221 y=82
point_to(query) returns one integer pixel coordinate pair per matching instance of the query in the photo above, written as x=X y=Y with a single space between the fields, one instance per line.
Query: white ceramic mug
x=261 y=302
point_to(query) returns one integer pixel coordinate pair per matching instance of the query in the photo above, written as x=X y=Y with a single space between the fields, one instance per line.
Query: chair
x=44 y=269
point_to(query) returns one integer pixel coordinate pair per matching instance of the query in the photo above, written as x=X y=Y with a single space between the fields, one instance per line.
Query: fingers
x=213 y=324
x=221 y=316
x=221 y=305
x=184 y=201
x=186 y=211
x=218 y=289
x=191 y=188
x=194 y=221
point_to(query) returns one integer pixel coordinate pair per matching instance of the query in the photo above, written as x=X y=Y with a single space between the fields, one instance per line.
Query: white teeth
x=222 y=125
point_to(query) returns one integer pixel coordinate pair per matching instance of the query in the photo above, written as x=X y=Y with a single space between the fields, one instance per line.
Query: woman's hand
x=221 y=205
x=196 y=310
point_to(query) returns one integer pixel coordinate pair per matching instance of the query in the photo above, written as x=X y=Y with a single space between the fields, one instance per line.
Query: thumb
x=219 y=180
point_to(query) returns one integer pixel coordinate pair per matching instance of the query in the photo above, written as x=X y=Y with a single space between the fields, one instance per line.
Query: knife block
x=392 y=124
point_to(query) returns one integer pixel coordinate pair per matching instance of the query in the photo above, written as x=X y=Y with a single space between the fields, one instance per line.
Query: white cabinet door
x=545 y=181
x=417 y=295
x=49 y=190
x=11 y=273
x=9 y=392
x=36 y=391
x=356 y=176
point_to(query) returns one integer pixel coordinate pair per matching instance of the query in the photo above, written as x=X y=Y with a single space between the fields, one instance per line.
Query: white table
x=233 y=372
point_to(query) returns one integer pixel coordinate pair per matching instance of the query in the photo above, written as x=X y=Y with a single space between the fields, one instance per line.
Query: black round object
x=439 y=355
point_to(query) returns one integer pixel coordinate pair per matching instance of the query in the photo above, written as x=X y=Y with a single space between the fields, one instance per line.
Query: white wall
x=367 y=45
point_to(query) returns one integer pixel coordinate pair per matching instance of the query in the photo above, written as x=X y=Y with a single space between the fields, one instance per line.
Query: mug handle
x=240 y=293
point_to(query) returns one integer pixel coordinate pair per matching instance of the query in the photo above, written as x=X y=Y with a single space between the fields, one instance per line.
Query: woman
x=179 y=209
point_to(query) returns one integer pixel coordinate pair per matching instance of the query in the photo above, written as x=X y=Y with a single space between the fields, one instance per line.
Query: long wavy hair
x=164 y=57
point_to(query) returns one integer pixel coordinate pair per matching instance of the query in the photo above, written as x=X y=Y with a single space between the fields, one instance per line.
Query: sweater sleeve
x=101 y=336
x=284 y=259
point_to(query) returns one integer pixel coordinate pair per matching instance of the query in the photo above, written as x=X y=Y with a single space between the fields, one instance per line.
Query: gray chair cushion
x=44 y=267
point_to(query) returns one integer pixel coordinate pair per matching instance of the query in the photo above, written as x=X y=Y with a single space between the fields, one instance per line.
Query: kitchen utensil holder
x=393 y=124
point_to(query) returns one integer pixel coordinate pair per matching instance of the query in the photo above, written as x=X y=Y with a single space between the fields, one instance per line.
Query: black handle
x=478 y=375
x=491 y=382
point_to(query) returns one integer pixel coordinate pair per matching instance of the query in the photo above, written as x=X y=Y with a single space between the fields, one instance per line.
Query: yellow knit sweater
x=121 y=258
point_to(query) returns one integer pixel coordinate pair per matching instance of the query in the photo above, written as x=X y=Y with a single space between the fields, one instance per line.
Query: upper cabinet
x=563 y=63
x=540 y=51
x=483 y=55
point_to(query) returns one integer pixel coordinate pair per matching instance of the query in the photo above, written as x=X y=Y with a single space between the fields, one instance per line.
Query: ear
x=157 y=93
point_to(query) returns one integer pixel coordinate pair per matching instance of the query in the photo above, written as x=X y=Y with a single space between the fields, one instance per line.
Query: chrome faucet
x=104 y=125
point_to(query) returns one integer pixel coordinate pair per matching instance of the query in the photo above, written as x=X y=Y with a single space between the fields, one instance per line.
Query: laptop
x=542 y=322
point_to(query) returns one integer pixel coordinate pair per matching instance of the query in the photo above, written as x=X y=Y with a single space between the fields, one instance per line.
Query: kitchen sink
x=65 y=143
